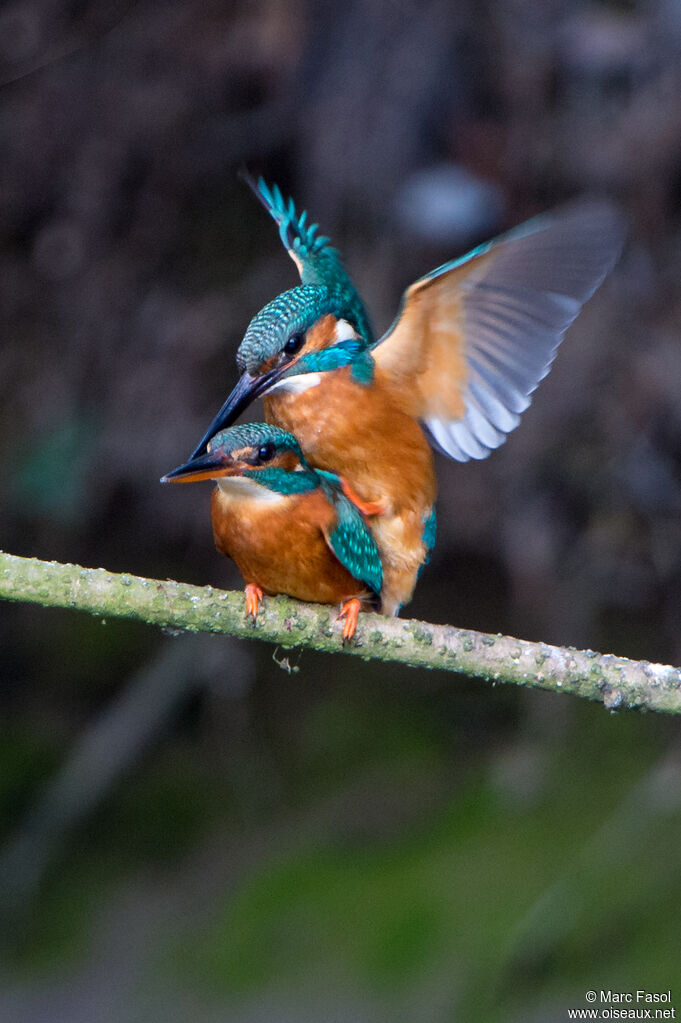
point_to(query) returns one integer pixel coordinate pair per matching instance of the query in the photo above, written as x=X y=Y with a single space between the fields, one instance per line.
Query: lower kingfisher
x=469 y=345
x=289 y=529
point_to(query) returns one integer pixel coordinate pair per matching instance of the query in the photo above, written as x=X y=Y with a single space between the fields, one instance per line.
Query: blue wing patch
x=429 y=537
x=350 y=540
x=429 y=533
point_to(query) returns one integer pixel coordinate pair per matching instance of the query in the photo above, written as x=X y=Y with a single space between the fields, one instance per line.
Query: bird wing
x=318 y=263
x=429 y=534
x=350 y=539
x=472 y=339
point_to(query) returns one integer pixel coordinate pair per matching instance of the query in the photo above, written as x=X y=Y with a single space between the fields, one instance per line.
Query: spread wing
x=472 y=339
x=318 y=263
x=350 y=539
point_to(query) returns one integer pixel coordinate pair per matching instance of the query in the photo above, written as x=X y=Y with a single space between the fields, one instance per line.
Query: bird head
x=296 y=337
x=258 y=452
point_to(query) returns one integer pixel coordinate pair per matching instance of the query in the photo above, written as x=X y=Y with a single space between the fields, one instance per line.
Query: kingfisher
x=289 y=528
x=454 y=372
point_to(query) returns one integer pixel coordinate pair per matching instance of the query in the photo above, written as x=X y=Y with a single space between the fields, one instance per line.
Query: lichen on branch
x=617 y=682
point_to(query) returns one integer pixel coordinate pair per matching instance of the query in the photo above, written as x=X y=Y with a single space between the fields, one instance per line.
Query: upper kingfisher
x=469 y=345
x=290 y=529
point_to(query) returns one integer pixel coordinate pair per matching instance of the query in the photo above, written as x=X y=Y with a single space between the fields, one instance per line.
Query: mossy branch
x=617 y=682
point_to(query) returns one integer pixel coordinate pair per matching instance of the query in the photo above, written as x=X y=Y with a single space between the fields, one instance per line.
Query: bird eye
x=294 y=344
x=266 y=452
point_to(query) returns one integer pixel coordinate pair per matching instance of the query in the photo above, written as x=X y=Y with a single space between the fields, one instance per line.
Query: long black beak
x=204 y=467
x=244 y=393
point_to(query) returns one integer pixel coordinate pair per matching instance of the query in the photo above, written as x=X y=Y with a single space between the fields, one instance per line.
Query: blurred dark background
x=198 y=828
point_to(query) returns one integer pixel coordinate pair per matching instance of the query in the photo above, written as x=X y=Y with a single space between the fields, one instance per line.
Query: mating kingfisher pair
x=333 y=499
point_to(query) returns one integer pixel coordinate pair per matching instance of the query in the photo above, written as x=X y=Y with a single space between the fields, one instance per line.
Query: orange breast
x=280 y=546
x=363 y=434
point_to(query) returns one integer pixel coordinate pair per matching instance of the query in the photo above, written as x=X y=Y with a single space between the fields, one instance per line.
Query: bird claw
x=350 y=612
x=366 y=507
x=253 y=595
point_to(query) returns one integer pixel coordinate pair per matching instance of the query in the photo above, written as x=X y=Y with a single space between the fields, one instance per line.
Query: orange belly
x=280 y=546
x=361 y=433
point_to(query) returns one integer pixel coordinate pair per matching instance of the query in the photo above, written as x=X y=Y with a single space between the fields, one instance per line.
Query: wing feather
x=350 y=539
x=317 y=262
x=474 y=338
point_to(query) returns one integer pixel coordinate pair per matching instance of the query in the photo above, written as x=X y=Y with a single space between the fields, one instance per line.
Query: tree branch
x=617 y=682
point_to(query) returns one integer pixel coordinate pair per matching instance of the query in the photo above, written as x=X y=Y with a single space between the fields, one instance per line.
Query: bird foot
x=253 y=595
x=366 y=507
x=350 y=612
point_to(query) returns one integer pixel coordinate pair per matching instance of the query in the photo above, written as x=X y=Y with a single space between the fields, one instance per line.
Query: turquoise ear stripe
x=283 y=481
x=345 y=353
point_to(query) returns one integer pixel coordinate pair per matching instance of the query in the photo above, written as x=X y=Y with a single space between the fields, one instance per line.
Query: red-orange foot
x=366 y=507
x=350 y=611
x=253 y=596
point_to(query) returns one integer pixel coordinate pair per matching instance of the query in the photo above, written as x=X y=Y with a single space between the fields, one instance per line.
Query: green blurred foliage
x=389 y=866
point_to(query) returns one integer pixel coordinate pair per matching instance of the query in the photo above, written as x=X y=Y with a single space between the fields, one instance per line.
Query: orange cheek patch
x=269 y=364
x=286 y=460
x=321 y=335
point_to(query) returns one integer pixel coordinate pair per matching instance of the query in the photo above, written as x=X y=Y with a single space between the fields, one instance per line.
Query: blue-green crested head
x=264 y=454
x=258 y=452
x=294 y=324
x=303 y=331
x=257 y=443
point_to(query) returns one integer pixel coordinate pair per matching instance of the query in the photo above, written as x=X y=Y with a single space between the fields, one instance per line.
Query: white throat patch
x=241 y=488
x=297 y=384
x=345 y=331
